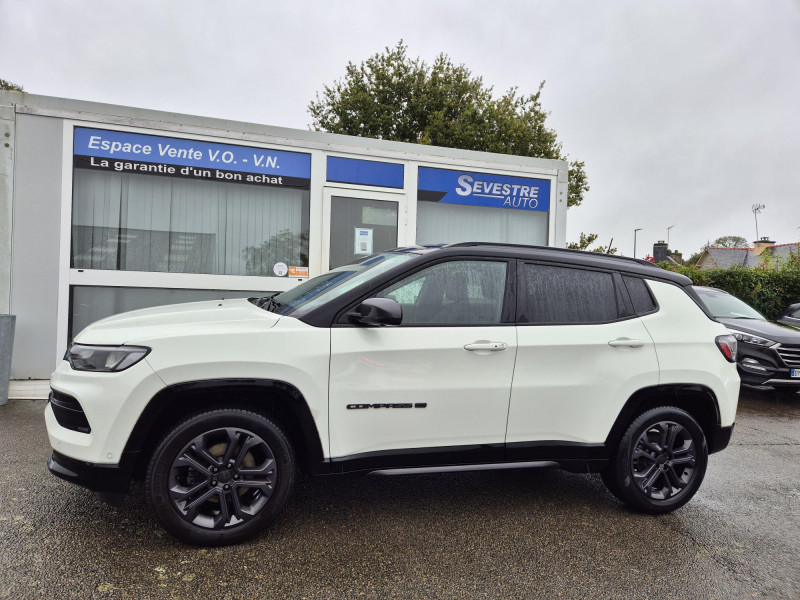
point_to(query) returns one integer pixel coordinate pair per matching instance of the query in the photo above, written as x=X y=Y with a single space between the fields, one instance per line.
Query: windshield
x=326 y=287
x=724 y=306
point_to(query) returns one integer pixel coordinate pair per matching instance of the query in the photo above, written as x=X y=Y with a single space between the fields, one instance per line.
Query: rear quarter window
x=640 y=294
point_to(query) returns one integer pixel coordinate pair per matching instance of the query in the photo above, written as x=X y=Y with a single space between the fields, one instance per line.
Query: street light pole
x=634 y=241
x=668 y=228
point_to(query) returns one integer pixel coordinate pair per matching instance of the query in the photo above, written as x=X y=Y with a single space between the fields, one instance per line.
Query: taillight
x=727 y=345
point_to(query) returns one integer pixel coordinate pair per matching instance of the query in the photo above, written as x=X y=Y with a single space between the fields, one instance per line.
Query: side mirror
x=790 y=316
x=378 y=312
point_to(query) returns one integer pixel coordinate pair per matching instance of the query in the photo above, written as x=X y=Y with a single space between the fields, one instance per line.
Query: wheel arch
x=697 y=400
x=279 y=400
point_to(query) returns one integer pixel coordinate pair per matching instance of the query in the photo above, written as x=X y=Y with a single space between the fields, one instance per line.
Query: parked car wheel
x=660 y=461
x=220 y=477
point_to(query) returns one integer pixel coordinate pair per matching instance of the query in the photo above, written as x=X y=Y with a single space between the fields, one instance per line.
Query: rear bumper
x=111 y=482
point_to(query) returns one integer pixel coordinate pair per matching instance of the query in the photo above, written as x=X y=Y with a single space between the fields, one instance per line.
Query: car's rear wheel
x=660 y=461
x=220 y=477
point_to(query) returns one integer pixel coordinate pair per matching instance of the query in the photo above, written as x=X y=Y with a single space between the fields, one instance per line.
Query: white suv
x=410 y=360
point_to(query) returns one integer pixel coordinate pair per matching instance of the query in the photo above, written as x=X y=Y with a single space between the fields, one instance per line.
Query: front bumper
x=774 y=378
x=763 y=366
x=91 y=415
x=111 y=482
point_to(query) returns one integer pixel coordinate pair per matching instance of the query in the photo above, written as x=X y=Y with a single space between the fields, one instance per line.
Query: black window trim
x=619 y=288
x=509 y=297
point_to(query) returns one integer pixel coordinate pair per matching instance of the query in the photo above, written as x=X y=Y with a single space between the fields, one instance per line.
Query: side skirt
x=570 y=456
x=539 y=464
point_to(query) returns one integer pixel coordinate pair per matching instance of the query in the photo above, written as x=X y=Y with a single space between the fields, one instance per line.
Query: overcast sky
x=686 y=113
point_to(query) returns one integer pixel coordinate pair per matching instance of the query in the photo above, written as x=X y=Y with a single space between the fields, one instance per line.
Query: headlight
x=104 y=359
x=749 y=338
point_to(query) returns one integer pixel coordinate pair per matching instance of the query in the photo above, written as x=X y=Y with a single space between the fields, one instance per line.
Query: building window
x=150 y=203
x=452 y=223
x=131 y=222
x=92 y=303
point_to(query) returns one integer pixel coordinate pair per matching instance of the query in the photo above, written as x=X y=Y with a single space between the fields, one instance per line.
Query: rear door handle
x=486 y=346
x=626 y=343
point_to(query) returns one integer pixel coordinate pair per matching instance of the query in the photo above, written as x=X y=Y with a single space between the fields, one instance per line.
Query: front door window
x=455 y=292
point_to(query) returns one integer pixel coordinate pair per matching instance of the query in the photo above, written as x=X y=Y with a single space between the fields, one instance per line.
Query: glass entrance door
x=360 y=225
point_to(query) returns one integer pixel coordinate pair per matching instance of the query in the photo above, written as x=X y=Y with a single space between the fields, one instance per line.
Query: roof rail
x=639 y=261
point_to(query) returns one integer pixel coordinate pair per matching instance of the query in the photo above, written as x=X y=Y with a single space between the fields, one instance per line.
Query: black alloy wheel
x=664 y=460
x=220 y=477
x=660 y=462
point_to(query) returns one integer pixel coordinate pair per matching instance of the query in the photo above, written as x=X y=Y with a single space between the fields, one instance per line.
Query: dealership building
x=105 y=209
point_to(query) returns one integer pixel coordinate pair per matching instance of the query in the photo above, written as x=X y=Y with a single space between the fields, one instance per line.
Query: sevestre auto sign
x=177 y=157
x=483 y=189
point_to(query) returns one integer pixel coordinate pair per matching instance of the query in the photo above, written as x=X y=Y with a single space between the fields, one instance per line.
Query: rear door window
x=566 y=295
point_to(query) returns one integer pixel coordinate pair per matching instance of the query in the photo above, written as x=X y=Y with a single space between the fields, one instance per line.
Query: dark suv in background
x=769 y=353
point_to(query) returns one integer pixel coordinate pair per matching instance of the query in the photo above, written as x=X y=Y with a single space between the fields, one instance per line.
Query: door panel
x=570 y=383
x=581 y=354
x=465 y=393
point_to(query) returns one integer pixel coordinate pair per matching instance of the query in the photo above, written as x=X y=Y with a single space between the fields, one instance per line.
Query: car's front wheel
x=220 y=477
x=660 y=461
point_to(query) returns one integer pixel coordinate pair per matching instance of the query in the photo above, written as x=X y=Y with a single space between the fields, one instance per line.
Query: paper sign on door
x=363 y=241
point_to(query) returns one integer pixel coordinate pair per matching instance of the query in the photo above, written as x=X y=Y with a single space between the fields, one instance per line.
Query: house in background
x=723 y=258
x=661 y=253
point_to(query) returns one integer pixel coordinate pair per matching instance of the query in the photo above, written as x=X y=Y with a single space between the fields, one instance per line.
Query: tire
x=220 y=477
x=660 y=462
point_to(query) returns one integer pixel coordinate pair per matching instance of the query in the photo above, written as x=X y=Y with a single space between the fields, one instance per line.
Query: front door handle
x=486 y=346
x=626 y=343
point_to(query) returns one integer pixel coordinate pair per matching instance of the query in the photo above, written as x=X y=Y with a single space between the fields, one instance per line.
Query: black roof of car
x=634 y=266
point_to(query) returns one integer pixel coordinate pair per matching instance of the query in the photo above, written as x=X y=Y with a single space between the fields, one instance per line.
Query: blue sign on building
x=365 y=172
x=482 y=189
x=141 y=153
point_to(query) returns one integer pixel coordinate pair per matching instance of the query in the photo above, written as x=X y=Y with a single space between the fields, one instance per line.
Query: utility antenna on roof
x=757 y=208
x=608 y=250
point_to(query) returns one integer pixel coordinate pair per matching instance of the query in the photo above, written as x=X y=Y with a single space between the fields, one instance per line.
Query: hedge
x=769 y=289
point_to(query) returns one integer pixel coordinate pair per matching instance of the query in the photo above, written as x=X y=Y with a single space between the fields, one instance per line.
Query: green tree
x=7 y=85
x=731 y=241
x=692 y=260
x=586 y=240
x=391 y=96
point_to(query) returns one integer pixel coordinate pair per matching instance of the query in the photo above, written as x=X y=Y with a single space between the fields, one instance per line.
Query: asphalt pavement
x=506 y=534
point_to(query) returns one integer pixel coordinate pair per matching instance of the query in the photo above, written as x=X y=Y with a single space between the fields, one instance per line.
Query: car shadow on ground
x=371 y=503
